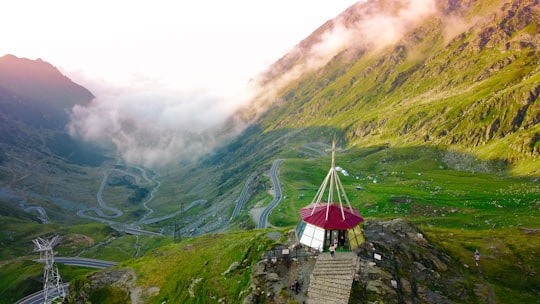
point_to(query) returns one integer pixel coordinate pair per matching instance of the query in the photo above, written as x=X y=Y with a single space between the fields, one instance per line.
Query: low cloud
x=373 y=24
x=152 y=127
x=160 y=125
x=369 y=25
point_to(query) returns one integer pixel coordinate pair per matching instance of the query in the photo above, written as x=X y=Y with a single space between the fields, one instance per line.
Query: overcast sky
x=210 y=45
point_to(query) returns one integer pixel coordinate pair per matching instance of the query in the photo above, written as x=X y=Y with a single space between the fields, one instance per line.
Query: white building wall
x=313 y=237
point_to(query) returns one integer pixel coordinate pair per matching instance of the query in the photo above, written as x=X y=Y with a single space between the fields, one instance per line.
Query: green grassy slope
x=193 y=271
x=460 y=202
x=420 y=184
x=478 y=92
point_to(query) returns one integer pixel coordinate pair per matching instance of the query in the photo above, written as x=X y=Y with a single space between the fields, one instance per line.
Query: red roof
x=335 y=219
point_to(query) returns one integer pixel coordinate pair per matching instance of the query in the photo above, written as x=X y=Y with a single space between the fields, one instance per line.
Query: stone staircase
x=332 y=277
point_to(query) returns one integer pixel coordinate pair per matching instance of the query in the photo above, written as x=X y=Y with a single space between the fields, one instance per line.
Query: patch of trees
x=138 y=194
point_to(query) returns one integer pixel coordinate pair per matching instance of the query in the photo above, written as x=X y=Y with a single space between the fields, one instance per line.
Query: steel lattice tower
x=52 y=282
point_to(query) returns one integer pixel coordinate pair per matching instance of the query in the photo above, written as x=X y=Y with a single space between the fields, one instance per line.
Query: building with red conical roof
x=330 y=222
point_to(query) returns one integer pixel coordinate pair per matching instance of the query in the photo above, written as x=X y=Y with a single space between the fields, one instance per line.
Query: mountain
x=40 y=164
x=36 y=93
x=434 y=107
x=35 y=100
x=457 y=74
x=456 y=82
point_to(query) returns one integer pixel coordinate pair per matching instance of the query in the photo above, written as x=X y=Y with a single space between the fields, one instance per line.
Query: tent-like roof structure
x=336 y=219
x=331 y=215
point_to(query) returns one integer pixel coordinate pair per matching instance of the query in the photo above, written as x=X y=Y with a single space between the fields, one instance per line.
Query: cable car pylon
x=52 y=282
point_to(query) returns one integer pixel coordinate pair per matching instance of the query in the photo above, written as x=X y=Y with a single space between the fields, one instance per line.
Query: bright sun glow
x=172 y=70
x=212 y=45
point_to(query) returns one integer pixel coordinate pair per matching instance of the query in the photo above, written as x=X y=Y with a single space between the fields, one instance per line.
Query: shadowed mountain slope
x=36 y=93
x=35 y=100
x=40 y=164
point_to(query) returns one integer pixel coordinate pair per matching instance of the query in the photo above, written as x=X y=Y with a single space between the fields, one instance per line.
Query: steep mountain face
x=36 y=93
x=35 y=99
x=39 y=162
x=463 y=74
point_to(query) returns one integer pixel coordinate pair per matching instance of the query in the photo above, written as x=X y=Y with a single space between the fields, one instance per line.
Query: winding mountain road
x=102 y=205
x=39 y=297
x=152 y=193
x=84 y=262
x=171 y=215
x=43 y=214
x=242 y=198
x=107 y=218
x=99 y=197
x=263 y=222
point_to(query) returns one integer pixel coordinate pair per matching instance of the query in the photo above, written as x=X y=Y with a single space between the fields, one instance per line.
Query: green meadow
x=22 y=275
x=462 y=203
x=214 y=265
x=417 y=183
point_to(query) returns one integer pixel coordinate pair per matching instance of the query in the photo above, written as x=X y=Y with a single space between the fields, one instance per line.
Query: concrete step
x=332 y=278
x=337 y=267
x=336 y=261
x=327 y=298
x=333 y=271
x=331 y=284
x=329 y=292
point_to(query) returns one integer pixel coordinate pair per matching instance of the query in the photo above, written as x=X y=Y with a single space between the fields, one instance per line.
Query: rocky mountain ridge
x=40 y=164
x=36 y=92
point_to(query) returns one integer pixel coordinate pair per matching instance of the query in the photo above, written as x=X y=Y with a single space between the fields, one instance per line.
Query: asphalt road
x=39 y=297
x=168 y=216
x=84 y=262
x=43 y=214
x=263 y=222
x=107 y=219
x=242 y=198
x=99 y=197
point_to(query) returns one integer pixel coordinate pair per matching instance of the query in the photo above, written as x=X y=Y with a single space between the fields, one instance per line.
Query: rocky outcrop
x=399 y=265
x=396 y=264
x=279 y=267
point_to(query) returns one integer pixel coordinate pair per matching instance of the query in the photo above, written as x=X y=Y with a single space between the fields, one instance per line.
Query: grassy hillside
x=460 y=202
x=508 y=259
x=22 y=275
x=476 y=92
x=429 y=186
x=211 y=268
